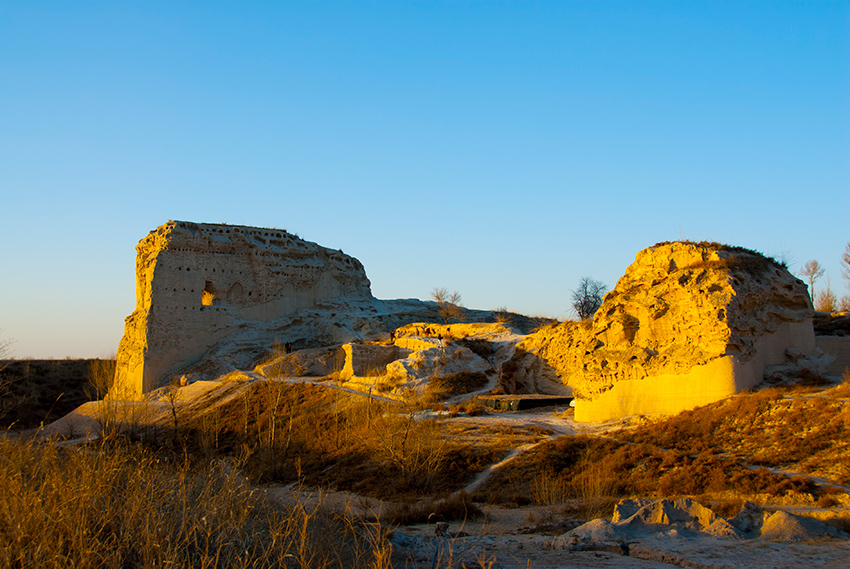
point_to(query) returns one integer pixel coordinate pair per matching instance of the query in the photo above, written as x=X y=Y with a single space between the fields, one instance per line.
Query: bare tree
x=449 y=304
x=587 y=298
x=8 y=400
x=826 y=301
x=5 y=350
x=812 y=271
x=845 y=264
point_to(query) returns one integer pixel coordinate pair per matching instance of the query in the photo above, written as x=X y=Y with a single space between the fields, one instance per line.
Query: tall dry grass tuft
x=549 y=489
x=595 y=489
x=111 y=506
x=101 y=375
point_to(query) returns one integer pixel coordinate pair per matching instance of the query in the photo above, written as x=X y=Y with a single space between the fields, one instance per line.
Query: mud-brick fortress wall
x=195 y=283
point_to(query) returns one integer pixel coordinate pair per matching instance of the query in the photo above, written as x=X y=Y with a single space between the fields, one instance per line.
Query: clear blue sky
x=503 y=149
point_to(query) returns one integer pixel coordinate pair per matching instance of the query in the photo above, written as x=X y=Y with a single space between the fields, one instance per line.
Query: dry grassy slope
x=341 y=441
x=800 y=430
x=333 y=439
x=716 y=451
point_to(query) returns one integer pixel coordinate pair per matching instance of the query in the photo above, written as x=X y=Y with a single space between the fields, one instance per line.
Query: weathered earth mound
x=211 y=299
x=198 y=283
x=688 y=323
x=639 y=522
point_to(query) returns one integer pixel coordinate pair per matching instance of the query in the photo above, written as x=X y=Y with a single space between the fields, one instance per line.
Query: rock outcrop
x=688 y=324
x=198 y=283
x=637 y=523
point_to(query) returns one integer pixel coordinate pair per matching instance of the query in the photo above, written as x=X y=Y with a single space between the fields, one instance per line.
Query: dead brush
x=595 y=488
x=548 y=489
x=440 y=388
x=412 y=446
x=455 y=507
x=470 y=407
x=116 y=506
x=791 y=428
x=338 y=440
x=594 y=473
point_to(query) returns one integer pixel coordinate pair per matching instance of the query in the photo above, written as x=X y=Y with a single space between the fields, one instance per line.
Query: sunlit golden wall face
x=687 y=324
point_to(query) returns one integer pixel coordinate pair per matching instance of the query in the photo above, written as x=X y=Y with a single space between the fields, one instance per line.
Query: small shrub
x=470 y=407
x=502 y=315
x=547 y=489
x=827 y=501
x=455 y=384
x=456 y=507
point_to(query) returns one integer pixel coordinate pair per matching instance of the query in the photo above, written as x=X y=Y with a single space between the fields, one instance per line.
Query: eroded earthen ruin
x=197 y=283
x=688 y=324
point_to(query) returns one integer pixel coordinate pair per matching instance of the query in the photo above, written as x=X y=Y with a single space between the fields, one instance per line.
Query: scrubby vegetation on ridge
x=747 y=260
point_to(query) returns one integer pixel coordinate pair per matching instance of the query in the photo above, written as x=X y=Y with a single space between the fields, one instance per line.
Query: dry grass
x=746 y=260
x=337 y=440
x=110 y=506
x=705 y=452
x=440 y=388
x=456 y=507
x=470 y=407
x=799 y=429
x=596 y=472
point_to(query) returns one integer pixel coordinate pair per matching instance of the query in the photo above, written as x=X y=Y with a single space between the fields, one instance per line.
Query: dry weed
x=112 y=506
x=338 y=440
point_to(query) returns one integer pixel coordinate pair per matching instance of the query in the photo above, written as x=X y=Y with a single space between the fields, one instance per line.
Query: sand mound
x=684 y=512
x=782 y=526
x=686 y=520
x=686 y=325
x=598 y=532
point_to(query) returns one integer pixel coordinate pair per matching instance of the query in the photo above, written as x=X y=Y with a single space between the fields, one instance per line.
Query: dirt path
x=549 y=420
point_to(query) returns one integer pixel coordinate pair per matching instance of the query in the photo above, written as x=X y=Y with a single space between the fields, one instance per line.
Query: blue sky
x=503 y=149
